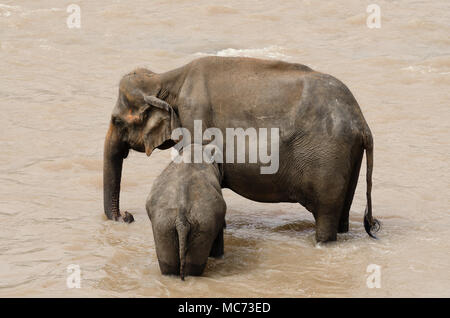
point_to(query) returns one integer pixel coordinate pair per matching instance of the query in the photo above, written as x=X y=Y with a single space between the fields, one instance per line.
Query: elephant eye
x=145 y=113
x=116 y=121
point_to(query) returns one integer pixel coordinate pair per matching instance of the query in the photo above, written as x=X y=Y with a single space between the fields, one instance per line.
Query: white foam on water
x=272 y=52
x=25 y=13
x=9 y=7
x=6 y=10
x=423 y=69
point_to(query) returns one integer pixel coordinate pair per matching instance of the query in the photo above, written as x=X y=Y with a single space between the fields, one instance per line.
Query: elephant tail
x=183 y=227
x=371 y=225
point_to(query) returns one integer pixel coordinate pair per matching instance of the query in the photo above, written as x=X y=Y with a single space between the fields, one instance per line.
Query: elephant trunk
x=114 y=152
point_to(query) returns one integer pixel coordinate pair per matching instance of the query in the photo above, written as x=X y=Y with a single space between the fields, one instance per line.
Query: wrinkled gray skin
x=187 y=212
x=323 y=133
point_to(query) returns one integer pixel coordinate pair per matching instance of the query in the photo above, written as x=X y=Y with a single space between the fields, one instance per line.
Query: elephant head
x=142 y=120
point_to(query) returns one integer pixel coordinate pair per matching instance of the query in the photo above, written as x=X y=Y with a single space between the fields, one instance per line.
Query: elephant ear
x=163 y=133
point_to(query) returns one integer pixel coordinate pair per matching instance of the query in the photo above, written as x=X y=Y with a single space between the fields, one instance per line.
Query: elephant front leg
x=343 y=222
x=217 y=249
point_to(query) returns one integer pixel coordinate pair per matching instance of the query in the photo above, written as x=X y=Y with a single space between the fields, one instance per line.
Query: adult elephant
x=322 y=132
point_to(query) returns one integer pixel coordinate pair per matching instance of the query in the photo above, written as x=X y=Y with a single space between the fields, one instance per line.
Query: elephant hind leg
x=217 y=249
x=344 y=219
x=328 y=207
x=195 y=269
x=166 y=246
x=169 y=268
x=327 y=221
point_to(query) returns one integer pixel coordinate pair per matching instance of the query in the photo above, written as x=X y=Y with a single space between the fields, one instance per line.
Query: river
x=58 y=86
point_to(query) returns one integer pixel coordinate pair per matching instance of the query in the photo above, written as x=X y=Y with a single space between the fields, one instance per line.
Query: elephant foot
x=194 y=269
x=123 y=216
x=216 y=252
x=343 y=227
x=325 y=237
x=326 y=229
x=127 y=217
x=174 y=269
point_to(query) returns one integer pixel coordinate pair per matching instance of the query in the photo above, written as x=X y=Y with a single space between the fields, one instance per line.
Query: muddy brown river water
x=59 y=85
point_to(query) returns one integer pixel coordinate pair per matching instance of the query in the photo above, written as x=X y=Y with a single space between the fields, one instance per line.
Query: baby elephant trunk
x=183 y=227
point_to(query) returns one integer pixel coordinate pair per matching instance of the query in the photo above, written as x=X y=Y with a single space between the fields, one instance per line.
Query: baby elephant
x=187 y=212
